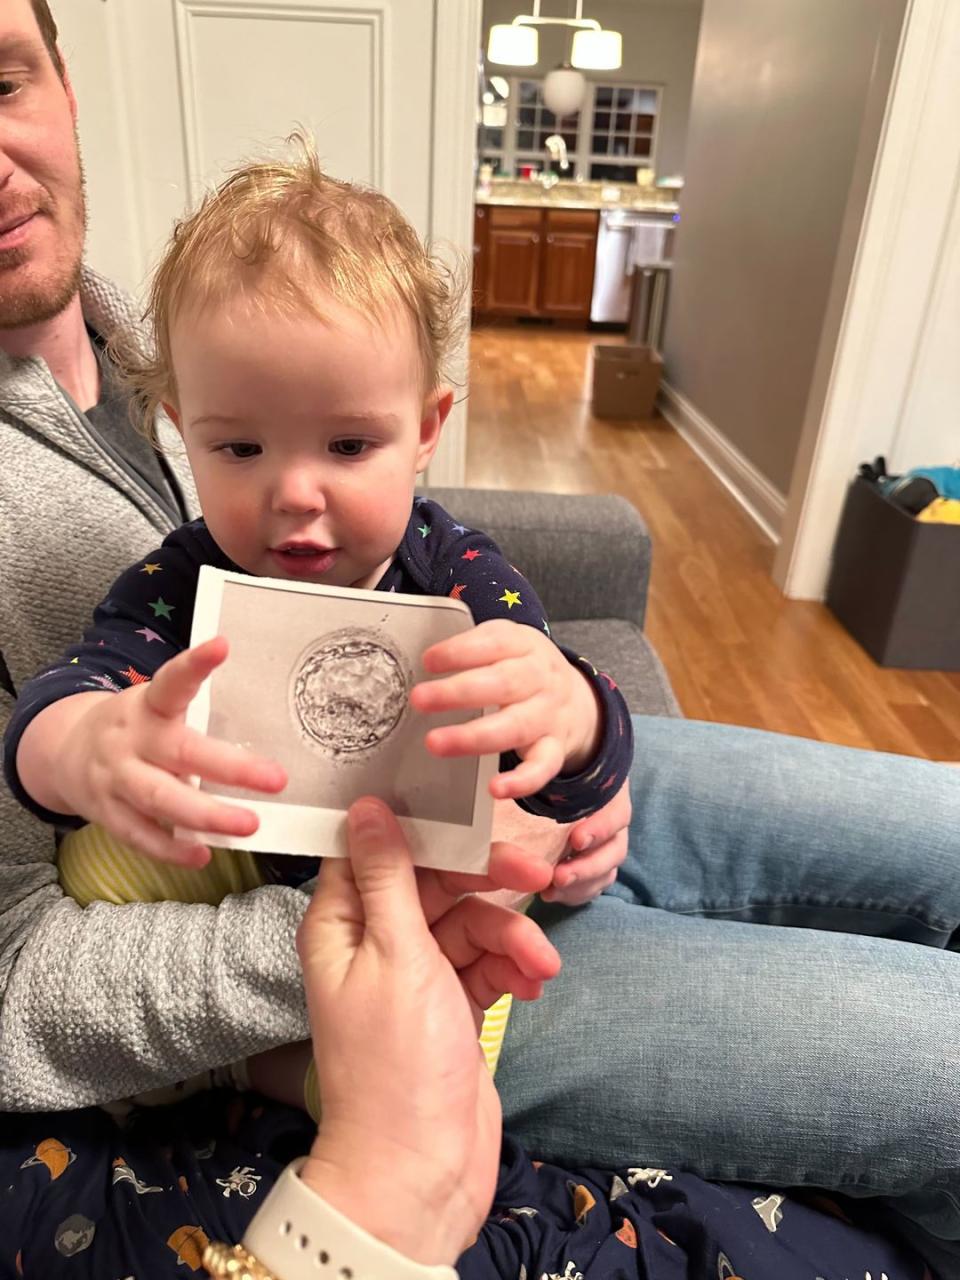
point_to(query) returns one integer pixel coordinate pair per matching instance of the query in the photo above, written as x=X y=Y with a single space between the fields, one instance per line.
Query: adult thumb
x=383 y=872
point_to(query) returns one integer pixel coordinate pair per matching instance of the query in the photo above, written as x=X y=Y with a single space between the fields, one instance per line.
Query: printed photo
x=319 y=679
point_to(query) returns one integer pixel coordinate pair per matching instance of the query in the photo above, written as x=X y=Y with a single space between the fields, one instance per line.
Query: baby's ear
x=171 y=411
x=436 y=410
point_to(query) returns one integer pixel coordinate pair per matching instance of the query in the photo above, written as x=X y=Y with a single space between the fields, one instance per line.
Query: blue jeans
x=821 y=1050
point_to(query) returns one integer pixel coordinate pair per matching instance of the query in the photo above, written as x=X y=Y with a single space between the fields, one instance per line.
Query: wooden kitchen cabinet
x=569 y=256
x=514 y=248
x=533 y=261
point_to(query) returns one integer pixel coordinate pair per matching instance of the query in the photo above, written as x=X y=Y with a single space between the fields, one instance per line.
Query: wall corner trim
x=761 y=500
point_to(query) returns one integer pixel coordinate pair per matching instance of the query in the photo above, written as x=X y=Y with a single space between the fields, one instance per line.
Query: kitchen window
x=612 y=136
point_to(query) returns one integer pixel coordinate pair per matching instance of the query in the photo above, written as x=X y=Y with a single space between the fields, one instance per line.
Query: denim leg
x=776 y=1055
x=738 y=824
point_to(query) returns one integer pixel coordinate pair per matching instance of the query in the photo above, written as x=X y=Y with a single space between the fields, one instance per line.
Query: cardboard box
x=895 y=583
x=625 y=380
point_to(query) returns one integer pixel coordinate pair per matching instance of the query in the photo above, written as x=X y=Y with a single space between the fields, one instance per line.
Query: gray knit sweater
x=102 y=1002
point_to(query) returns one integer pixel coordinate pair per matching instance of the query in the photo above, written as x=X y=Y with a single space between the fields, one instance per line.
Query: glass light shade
x=563 y=91
x=495 y=117
x=513 y=46
x=597 y=50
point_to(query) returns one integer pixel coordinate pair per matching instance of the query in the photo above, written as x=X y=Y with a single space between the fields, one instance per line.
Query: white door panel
x=173 y=93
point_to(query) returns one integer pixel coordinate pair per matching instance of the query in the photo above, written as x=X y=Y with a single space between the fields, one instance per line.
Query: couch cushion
x=622 y=649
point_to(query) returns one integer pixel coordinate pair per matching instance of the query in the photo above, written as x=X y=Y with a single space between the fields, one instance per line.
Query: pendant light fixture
x=516 y=44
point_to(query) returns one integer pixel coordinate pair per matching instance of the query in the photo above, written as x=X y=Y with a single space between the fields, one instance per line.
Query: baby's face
x=305 y=437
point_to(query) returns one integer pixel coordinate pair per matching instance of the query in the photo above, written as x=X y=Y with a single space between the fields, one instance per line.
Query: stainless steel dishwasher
x=616 y=256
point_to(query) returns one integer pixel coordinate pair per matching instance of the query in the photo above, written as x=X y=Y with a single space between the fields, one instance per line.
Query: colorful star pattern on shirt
x=423 y=530
x=458 y=591
x=106 y=683
x=160 y=608
x=149 y=635
x=151 y=569
x=510 y=598
x=134 y=676
x=470 y=555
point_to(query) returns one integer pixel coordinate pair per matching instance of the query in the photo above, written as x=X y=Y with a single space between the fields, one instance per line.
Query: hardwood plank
x=735 y=649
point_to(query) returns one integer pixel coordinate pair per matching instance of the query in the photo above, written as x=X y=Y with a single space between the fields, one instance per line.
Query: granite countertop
x=544 y=200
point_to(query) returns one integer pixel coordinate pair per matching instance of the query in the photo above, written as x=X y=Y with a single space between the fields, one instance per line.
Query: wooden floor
x=735 y=649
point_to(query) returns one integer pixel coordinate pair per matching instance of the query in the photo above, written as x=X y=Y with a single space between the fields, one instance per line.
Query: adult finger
x=178 y=681
x=491 y=976
x=475 y=927
x=157 y=794
x=511 y=867
x=384 y=875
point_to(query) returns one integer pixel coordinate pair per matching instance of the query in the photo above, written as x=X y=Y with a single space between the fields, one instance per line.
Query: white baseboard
x=762 y=502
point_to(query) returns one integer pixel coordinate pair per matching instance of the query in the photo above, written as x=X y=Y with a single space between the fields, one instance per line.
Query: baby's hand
x=597 y=846
x=547 y=712
x=123 y=762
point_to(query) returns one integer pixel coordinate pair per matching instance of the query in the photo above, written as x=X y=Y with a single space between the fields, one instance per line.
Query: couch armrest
x=588 y=556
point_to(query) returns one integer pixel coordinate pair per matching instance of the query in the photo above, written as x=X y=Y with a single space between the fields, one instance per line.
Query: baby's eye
x=349 y=448
x=9 y=87
x=241 y=449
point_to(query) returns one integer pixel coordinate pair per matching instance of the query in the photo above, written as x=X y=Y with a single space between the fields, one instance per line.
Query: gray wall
x=784 y=113
x=659 y=48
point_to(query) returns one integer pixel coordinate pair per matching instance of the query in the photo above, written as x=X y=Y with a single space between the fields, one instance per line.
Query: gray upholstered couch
x=589 y=559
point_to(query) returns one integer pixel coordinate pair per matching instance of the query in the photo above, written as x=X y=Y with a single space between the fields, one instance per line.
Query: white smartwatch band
x=298 y=1236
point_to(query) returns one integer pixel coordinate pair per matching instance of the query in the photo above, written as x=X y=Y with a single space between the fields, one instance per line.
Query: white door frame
x=913 y=193
x=455 y=49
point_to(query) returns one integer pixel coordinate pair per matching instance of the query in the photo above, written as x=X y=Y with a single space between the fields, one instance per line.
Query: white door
x=174 y=92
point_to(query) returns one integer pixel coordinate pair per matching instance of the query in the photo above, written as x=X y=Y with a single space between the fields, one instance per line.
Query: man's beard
x=45 y=298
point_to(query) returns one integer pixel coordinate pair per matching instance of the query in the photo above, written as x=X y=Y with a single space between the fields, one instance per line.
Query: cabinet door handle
x=549 y=239
x=481 y=213
x=534 y=239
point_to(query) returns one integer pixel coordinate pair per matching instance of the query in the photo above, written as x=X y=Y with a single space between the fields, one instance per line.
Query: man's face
x=42 y=214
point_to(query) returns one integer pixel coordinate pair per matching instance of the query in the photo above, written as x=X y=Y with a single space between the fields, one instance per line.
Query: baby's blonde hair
x=283 y=234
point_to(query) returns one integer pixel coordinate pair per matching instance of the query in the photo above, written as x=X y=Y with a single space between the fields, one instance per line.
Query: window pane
x=646 y=101
x=600 y=144
x=624 y=98
x=494 y=139
x=621 y=146
x=528 y=90
x=641 y=147
x=601 y=121
x=622 y=122
x=570 y=121
x=613 y=172
x=571 y=140
x=526 y=115
x=644 y=124
x=525 y=139
x=604 y=96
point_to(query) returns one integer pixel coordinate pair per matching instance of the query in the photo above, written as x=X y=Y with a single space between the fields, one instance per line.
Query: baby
x=299 y=332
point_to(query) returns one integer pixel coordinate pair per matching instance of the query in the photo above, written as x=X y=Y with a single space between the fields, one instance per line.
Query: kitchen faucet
x=556 y=148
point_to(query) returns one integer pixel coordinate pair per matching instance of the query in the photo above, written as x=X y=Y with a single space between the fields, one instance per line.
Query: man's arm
x=100 y=1002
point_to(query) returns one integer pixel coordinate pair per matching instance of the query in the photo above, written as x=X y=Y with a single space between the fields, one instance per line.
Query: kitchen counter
x=544 y=200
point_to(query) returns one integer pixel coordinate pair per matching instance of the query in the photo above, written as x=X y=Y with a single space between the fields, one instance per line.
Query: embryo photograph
x=321 y=682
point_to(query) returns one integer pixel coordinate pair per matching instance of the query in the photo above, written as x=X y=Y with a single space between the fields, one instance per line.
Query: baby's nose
x=300 y=490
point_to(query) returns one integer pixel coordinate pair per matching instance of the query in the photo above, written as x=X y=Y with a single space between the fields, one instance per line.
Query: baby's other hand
x=597 y=848
x=547 y=711
x=125 y=764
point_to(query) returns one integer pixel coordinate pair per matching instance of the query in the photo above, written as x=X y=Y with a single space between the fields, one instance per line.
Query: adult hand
x=597 y=847
x=121 y=760
x=547 y=713
x=397 y=971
